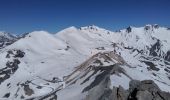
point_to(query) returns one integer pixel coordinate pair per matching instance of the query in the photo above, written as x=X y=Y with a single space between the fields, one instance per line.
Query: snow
x=7 y=35
x=121 y=80
x=48 y=56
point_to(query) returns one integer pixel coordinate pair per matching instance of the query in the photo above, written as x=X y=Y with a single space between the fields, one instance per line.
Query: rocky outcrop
x=156 y=26
x=19 y=54
x=11 y=66
x=147 y=27
x=138 y=90
x=167 y=57
x=28 y=91
x=9 y=70
x=151 y=27
x=156 y=49
x=129 y=29
x=15 y=54
x=151 y=65
x=6 y=39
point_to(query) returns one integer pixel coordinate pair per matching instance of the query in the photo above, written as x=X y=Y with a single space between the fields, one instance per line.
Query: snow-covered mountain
x=6 y=39
x=81 y=63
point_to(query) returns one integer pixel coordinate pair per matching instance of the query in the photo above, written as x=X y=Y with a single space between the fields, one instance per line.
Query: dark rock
x=164 y=95
x=22 y=97
x=106 y=94
x=167 y=70
x=167 y=63
x=155 y=49
x=6 y=95
x=138 y=90
x=39 y=87
x=169 y=77
x=28 y=91
x=151 y=66
x=154 y=74
x=68 y=47
x=7 y=56
x=119 y=94
x=156 y=26
x=129 y=29
x=167 y=57
x=10 y=69
x=132 y=95
x=144 y=95
x=139 y=51
x=100 y=48
x=98 y=62
x=148 y=85
x=9 y=52
x=133 y=84
x=129 y=48
x=52 y=96
x=147 y=27
x=101 y=77
x=16 y=61
x=8 y=84
x=19 y=54
x=7 y=39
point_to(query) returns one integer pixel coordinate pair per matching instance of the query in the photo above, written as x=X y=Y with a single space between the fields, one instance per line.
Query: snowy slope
x=6 y=39
x=44 y=58
x=41 y=64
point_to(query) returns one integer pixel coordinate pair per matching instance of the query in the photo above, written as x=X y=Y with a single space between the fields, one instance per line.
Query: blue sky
x=20 y=16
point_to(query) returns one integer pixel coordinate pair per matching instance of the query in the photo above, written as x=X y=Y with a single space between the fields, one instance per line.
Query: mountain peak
x=71 y=28
x=91 y=27
x=90 y=58
x=151 y=26
x=2 y=33
x=38 y=32
x=68 y=30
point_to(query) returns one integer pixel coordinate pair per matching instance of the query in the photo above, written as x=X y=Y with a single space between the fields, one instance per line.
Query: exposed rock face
x=167 y=57
x=151 y=66
x=11 y=66
x=6 y=95
x=133 y=53
x=118 y=94
x=148 y=27
x=156 y=26
x=19 y=54
x=6 y=39
x=9 y=70
x=28 y=91
x=151 y=27
x=138 y=90
x=155 y=50
x=129 y=29
x=99 y=88
x=15 y=54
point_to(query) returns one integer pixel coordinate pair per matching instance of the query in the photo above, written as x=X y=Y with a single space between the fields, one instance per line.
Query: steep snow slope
x=41 y=64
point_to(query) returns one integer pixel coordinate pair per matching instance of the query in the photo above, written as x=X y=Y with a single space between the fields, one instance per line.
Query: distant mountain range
x=87 y=63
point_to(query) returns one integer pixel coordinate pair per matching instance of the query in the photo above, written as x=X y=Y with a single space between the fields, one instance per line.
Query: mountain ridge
x=46 y=61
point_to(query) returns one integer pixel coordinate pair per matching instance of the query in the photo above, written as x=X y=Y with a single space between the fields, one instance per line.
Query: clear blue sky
x=19 y=16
